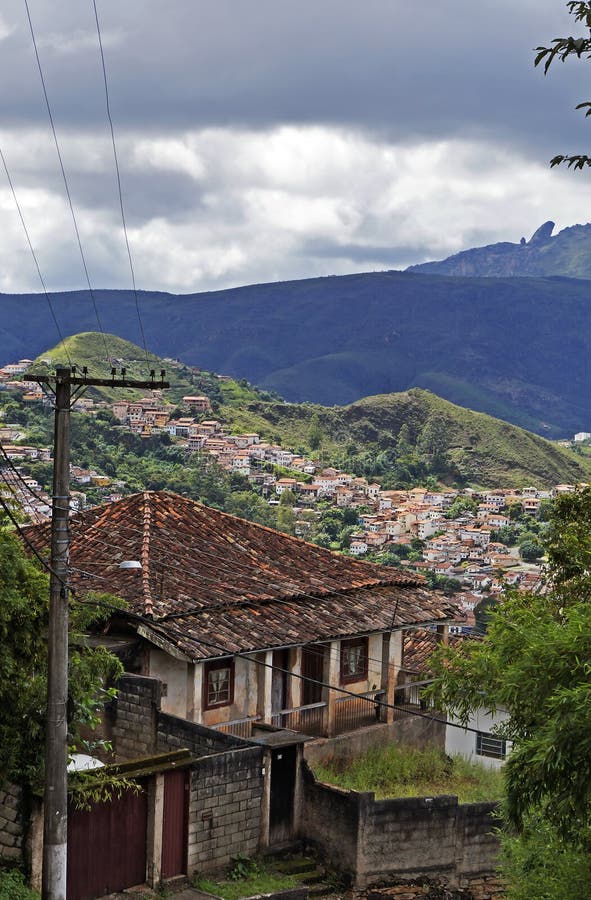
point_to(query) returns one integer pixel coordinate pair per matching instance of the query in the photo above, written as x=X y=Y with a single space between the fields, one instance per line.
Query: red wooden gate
x=175 y=823
x=107 y=846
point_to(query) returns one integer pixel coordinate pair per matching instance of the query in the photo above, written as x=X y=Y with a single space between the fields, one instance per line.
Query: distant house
x=285 y=484
x=198 y=404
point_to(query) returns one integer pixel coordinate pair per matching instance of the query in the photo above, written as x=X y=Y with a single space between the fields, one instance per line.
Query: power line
x=65 y=179
x=306 y=678
x=34 y=255
x=116 y=159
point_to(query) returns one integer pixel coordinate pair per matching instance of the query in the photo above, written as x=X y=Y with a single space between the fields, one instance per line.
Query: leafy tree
x=449 y=586
x=460 y=506
x=315 y=433
x=563 y=48
x=248 y=505
x=23 y=664
x=434 y=440
x=285 y=520
x=506 y=534
x=534 y=664
x=404 y=442
x=530 y=551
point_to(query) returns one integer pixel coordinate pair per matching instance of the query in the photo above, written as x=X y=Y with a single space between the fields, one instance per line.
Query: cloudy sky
x=262 y=140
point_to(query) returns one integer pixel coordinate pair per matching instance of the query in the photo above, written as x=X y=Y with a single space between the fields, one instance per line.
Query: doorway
x=283 y=784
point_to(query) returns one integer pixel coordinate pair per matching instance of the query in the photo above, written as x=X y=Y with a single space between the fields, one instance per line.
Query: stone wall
x=11 y=823
x=225 y=808
x=368 y=840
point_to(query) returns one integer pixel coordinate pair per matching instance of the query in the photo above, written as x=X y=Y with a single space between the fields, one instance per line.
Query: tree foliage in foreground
x=535 y=664
x=563 y=48
x=23 y=665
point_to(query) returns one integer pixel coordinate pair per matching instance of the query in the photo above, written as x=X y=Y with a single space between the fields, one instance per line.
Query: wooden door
x=175 y=823
x=107 y=846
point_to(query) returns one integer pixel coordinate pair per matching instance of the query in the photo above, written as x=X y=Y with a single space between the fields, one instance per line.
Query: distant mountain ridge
x=516 y=348
x=568 y=253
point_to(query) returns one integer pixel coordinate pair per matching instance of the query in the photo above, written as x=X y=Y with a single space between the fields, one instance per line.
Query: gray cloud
x=267 y=140
x=439 y=69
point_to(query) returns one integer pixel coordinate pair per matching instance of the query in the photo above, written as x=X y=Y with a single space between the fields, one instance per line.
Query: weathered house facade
x=246 y=625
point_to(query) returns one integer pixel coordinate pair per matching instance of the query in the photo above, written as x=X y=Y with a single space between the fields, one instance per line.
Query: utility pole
x=55 y=816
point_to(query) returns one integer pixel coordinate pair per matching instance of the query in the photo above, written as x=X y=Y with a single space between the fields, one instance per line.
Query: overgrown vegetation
x=403 y=772
x=23 y=665
x=538 y=864
x=534 y=664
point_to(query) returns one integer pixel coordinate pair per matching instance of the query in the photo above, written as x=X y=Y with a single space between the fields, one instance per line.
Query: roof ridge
x=145 y=557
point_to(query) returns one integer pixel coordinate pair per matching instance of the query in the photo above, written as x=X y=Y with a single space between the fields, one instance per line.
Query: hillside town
x=461 y=537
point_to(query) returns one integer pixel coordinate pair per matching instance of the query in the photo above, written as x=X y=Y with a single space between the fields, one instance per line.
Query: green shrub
x=13 y=886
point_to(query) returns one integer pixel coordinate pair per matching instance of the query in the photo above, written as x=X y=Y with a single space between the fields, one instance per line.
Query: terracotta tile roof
x=212 y=583
x=419 y=645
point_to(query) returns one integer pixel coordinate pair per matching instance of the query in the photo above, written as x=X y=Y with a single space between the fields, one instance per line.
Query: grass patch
x=257 y=879
x=395 y=772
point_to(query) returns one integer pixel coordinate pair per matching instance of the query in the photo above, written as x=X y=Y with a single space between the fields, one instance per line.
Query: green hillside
x=474 y=447
x=101 y=354
x=438 y=438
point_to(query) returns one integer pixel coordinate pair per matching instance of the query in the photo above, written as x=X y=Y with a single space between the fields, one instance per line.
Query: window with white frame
x=490 y=745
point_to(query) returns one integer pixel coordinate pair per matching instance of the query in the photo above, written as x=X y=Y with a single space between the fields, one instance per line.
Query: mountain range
x=515 y=347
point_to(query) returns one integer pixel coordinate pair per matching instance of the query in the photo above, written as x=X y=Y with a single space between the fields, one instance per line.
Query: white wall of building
x=460 y=742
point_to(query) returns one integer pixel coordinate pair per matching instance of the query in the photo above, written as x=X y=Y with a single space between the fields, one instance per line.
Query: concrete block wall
x=225 y=808
x=11 y=823
x=134 y=716
x=476 y=841
x=417 y=836
x=330 y=819
x=407 y=731
x=368 y=840
x=175 y=733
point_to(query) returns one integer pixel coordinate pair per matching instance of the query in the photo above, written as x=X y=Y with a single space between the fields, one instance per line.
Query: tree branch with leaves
x=562 y=49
